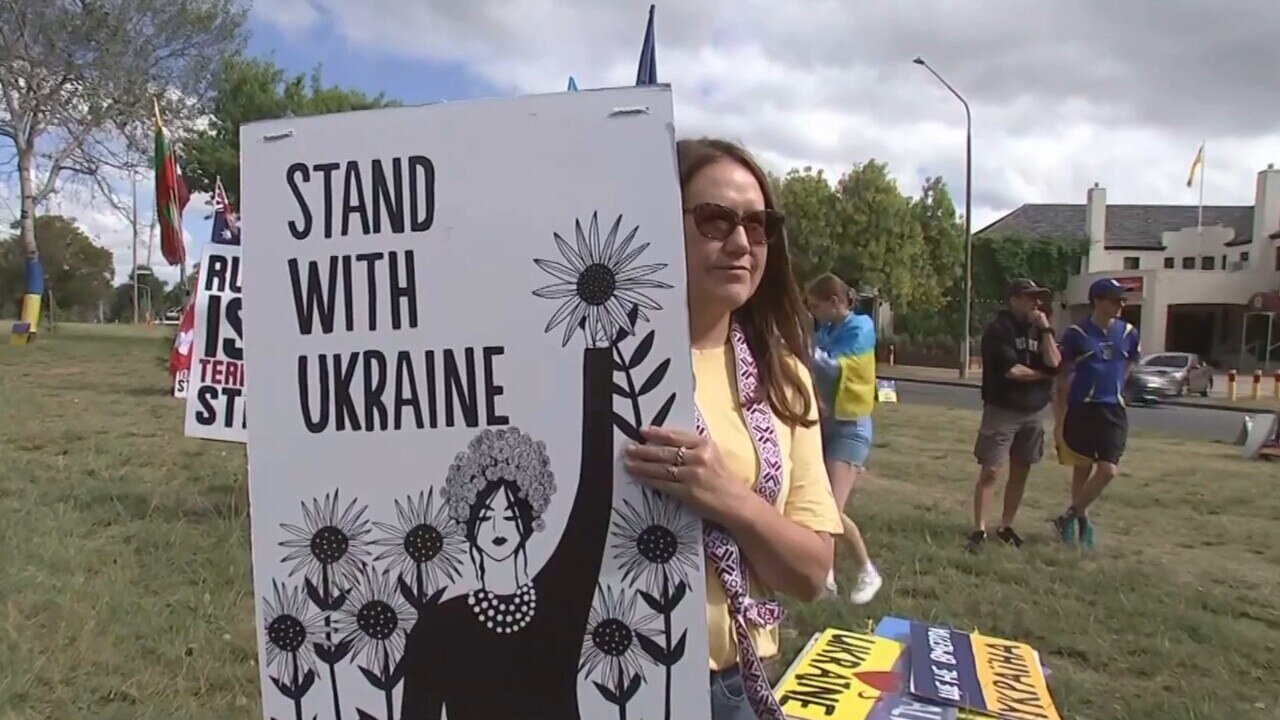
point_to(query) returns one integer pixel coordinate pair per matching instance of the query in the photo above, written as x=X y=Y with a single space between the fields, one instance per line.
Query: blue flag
x=573 y=84
x=647 y=72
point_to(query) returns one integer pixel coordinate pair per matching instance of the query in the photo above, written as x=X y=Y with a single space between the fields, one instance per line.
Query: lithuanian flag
x=171 y=196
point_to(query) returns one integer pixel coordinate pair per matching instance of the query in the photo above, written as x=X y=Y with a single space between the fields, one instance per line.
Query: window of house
x=1278 y=257
x=1075 y=267
x=1188 y=263
x=1168 y=263
x=1131 y=263
x=1206 y=262
x=1244 y=256
x=1224 y=262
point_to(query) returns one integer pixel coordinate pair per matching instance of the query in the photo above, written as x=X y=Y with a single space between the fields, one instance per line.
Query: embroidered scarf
x=722 y=551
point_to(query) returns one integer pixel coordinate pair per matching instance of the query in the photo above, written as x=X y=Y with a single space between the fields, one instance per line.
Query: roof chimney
x=1095 y=227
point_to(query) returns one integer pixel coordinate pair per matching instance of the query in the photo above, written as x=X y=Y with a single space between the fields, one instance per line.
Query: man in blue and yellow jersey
x=1097 y=354
x=844 y=370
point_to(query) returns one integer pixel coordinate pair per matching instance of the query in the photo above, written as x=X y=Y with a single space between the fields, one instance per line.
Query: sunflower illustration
x=330 y=548
x=375 y=620
x=611 y=646
x=598 y=283
x=425 y=547
x=291 y=632
x=655 y=543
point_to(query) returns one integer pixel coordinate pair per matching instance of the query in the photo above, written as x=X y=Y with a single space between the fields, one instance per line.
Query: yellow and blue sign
x=842 y=675
x=1001 y=678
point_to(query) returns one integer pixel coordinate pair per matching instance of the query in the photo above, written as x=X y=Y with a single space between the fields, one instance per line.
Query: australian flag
x=226 y=226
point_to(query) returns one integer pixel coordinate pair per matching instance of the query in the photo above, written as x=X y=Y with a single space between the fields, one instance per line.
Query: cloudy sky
x=1063 y=94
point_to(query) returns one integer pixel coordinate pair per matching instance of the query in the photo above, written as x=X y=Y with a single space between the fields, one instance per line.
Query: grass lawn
x=125 y=585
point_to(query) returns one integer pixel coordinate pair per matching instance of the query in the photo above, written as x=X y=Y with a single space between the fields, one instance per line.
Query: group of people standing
x=1026 y=369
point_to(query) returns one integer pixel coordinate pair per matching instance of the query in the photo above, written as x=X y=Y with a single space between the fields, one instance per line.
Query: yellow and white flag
x=1196 y=165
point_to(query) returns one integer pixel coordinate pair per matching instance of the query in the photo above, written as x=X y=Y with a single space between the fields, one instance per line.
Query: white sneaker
x=831 y=583
x=869 y=582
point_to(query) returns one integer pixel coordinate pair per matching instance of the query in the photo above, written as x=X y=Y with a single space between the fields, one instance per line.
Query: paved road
x=1200 y=423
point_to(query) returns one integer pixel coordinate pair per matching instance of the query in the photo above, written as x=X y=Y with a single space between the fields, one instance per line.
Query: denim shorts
x=847 y=440
x=728 y=697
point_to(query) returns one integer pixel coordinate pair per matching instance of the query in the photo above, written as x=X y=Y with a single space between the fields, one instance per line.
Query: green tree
x=151 y=293
x=814 y=230
x=943 y=234
x=882 y=246
x=78 y=272
x=77 y=78
x=997 y=260
x=251 y=89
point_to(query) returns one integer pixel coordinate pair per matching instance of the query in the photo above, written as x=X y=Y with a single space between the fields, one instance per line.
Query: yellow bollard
x=1256 y=391
x=1231 y=385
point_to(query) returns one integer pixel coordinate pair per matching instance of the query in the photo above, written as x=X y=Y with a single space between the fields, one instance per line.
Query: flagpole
x=1200 y=210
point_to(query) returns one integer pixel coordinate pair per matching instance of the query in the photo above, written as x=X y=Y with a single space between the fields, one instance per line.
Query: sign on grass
x=216 y=370
x=998 y=677
x=460 y=314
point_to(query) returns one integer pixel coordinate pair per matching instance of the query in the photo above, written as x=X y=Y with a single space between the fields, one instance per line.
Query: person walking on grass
x=845 y=375
x=1097 y=354
x=1019 y=360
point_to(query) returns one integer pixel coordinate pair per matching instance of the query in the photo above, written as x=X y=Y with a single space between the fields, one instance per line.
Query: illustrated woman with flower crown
x=511 y=647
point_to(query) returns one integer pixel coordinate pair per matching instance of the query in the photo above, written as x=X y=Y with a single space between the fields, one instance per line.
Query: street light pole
x=133 y=173
x=968 y=215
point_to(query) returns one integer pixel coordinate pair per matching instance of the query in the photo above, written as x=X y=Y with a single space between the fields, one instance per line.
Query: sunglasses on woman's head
x=717 y=222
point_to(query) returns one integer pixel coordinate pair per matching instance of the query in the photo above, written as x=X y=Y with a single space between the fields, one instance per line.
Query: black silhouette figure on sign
x=512 y=648
x=525 y=630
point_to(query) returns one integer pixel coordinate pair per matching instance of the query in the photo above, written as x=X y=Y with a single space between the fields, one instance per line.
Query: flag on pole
x=1196 y=164
x=647 y=72
x=180 y=355
x=226 y=226
x=171 y=196
x=573 y=84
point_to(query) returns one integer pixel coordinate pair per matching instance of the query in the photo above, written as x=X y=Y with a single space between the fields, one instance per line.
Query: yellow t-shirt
x=806 y=492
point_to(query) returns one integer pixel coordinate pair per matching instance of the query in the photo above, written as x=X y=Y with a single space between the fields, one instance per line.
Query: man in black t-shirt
x=1019 y=359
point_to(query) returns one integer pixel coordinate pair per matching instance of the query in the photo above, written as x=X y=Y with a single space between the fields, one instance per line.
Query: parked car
x=1169 y=374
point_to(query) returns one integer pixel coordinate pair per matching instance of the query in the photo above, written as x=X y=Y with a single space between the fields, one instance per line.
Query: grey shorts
x=1005 y=435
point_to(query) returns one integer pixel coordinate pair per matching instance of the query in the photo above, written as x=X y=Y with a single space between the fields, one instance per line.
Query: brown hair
x=830 y=285
x=771 y=317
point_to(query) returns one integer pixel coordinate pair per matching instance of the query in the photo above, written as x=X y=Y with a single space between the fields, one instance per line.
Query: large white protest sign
x=216 y=380
x=459 y=314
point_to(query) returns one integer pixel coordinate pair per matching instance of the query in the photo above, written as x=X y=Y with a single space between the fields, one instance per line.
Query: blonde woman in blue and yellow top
x=844 y=369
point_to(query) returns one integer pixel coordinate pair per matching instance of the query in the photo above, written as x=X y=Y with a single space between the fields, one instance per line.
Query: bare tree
x=77 y=79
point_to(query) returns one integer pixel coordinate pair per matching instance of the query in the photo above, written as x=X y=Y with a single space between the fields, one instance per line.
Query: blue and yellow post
x=28 y=325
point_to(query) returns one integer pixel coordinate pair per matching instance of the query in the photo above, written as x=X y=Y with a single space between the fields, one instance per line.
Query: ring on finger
x=679 y=461
x=674 y=472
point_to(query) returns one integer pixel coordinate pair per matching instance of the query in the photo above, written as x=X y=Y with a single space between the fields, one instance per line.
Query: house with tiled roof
x=1201 y=280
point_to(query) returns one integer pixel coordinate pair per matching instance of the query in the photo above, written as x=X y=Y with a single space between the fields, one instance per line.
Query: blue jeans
x=728 y=697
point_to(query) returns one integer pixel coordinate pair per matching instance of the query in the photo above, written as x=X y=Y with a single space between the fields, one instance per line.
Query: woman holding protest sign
x=753 y=467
